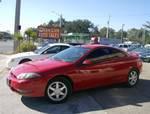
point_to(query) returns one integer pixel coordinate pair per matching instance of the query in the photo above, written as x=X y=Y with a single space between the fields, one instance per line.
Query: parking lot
x=6 y=46
x=116 y=99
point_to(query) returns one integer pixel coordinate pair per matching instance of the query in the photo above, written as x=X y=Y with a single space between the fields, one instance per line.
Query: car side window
x=64 y=47
x=52 y=50
x=104 y=54
x=98 y=54
x=115 y=53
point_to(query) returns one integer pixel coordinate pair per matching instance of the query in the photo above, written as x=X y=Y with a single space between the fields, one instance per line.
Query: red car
x=76 y=68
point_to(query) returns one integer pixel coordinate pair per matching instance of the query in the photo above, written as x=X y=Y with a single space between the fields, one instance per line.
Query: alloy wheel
x=133 y=77
x=57 y=91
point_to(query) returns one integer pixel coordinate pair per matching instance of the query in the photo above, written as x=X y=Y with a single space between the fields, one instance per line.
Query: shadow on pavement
x=95 y=99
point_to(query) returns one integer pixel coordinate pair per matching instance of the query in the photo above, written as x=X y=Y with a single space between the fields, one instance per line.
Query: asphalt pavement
x=117 y=99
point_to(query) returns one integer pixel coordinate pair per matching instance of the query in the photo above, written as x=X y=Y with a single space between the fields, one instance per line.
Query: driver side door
x=98 y=72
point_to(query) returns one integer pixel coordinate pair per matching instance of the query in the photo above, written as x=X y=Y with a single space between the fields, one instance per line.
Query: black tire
x=133 y=78
x=24 y=61
x=67 y=90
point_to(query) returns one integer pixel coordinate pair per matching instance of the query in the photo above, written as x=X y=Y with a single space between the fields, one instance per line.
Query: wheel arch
x=24 y=59
x=62 y=76
x=135 y=68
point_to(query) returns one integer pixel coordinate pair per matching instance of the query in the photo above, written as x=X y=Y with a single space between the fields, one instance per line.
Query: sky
x=131 y=13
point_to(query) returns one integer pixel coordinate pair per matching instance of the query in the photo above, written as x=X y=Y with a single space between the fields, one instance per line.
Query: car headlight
x=27 y=76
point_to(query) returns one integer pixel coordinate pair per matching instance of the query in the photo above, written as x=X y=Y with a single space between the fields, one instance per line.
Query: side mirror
x=87 y=62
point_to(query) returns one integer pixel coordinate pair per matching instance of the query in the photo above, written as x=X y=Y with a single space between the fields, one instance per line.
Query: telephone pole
x=60 y=18
x=17 y=26
x=144 y=36
x=60 y=22
x=108 y=22
x=122 y=33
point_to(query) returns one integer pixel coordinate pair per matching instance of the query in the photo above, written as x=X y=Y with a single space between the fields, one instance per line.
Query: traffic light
x=19 y=27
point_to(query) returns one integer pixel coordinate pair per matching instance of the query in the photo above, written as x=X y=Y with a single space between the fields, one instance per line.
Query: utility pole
x=60 y=22
x=122 y=33
x=108 y=22
x=144 y=36
x=17 y=26
x=60 y=18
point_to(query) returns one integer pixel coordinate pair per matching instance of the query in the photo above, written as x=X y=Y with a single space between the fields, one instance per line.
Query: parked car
x=74 y=69
x=144 y=53
x=76 y=44
x=41 y=53
x=147 y=46
x=124 y=47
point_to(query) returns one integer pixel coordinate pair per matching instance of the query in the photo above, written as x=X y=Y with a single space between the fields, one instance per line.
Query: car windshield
x=71 y=55
x=39 y=51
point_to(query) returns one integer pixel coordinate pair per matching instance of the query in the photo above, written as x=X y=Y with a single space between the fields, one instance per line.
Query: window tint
x=116 y=53
x=64 y=47
x=52 y=50
x=105 y=53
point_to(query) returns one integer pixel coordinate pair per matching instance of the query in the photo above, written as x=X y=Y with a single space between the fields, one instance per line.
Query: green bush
x=26 y=46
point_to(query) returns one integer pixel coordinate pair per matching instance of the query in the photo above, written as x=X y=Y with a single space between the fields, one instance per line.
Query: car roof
x=55 y=44
x=93 y=46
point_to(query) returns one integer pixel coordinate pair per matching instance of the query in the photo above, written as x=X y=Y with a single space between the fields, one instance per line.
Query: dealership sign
x=48 y=32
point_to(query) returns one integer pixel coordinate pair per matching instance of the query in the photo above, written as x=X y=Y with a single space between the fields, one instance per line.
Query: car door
x=117 y=61
x=101 y=71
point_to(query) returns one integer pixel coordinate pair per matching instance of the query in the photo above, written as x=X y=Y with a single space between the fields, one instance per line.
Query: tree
x=76 y=26
x=31 y=33
x=147 y=32
x=118 y=34
x=19 y=38
x=147 y=25
x=103 y=32
x=111 y=33
x=135 y=35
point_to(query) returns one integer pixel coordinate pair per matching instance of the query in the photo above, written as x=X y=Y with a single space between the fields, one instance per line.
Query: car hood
x=24 y=54
x=39 y=66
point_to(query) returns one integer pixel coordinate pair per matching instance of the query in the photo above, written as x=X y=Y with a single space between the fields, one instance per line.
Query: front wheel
x=133 y=78
x=58 y=90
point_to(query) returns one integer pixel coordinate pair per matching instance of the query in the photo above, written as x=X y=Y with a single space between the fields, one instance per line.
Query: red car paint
x=82 y=76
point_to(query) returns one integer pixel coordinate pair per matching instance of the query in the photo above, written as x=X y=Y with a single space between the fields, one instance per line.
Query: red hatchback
x=74 y=69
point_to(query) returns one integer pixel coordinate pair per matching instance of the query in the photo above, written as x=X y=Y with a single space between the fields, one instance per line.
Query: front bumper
x=32 y=87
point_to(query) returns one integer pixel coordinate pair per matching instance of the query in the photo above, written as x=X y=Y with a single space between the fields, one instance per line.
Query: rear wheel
x=58 y=90
x=133 y=78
